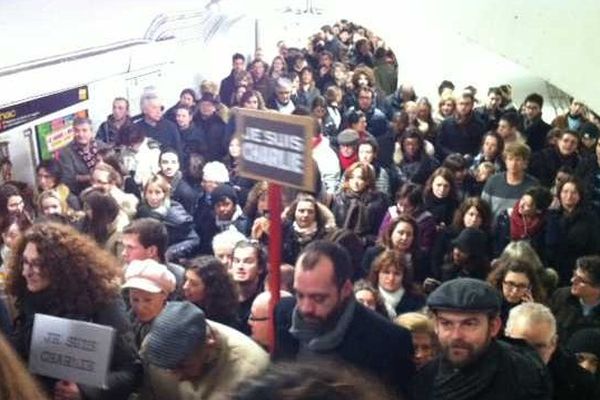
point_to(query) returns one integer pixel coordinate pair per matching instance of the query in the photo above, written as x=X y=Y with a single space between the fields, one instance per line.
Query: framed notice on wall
x=53 y=135
x=276 y=147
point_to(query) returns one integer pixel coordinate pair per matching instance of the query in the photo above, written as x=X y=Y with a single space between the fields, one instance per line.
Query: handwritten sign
x=276 y=147
x=71 y=350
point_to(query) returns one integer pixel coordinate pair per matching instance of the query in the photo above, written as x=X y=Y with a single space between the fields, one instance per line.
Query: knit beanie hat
x=224 y=191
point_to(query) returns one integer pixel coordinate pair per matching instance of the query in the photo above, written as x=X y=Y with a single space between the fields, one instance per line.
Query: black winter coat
x=546 y=163
x=569 y=314
x=368 y=210
x=371 y=343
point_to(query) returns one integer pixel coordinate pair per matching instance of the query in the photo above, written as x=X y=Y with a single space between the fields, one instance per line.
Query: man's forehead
x=459 y=316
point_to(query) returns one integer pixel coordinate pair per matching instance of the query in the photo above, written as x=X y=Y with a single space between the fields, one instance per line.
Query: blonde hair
x=416 y=322
x=15 y=381
x=162 y=183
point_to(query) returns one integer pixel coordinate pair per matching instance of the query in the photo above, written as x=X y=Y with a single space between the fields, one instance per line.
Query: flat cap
x=348 y=137
x=466 y=295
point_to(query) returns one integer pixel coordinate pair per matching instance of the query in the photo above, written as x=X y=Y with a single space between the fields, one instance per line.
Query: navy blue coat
x=372 y=343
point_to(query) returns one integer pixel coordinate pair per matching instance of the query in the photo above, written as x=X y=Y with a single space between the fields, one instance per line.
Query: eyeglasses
x=254 y=318
x=515 y=286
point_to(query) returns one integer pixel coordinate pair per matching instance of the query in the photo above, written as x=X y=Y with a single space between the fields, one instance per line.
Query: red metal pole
x=274 y=256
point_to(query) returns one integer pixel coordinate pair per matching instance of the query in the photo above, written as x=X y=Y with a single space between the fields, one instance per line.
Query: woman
x=391 y=276
x=472 y=213
x=400 y=235
x=526 y=220
x=209 y=286
x=157 y=204
x=446 y=107
x=358 y=206
x=278 y=68
x=423 y=335
x=12 y=202
x=253 y=100
x=49 y=176
x=492 y=147
x=368 y=149
x=440 y=196
x=148 y=284
x=424 y=121
x=572 y=230
x=318 y=110
x=10 y=232
x=242 y=185
x=307 y=90
x=103 y=220
x=305 y=220
x=411 y=161
x=518 y=282
x=59 y=272
x=367 y=295
x=469 y=257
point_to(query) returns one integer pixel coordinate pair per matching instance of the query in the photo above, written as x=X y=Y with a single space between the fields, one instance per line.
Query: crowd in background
x=146 y=225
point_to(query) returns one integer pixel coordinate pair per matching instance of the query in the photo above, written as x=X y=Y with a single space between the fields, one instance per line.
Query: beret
x=465 y=294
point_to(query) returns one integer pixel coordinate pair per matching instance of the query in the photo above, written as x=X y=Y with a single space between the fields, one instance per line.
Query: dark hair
x=413 y=192
x=291 y=211
x=445 y=84
x=104 y=210
x=77 y=121
x=7 y=190
x=498 y=138
x=238 y=56
x=578 y=186
x=21 y=220
x=447 y=175
x=354 y=116
x=482 y=207
x=496 y=277
x=371 y=141
x=394 y=259
x=318 y=101
x=385 y=240
x=455 y=162
x=535 y=98
x=168 y=150
x=52 y=167
x=591 y=266
x=189 y=91
x=412 y=133
x=130 y=134
x=511 y=118
x=220 y=301
x=338 y=255
x=83 y=277
x=495 y=90
x=261 y=254
x=150 y=232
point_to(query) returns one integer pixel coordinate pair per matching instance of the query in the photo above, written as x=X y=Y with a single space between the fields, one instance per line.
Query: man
x=109 y=129
x=193 y=138
x=155 y=126
x=188 y=357
x=534 y=324
x=210 y=123
x=248 y=269
x=282 y=100
x=259 y=317
x=490 y=112
x=147 y=238
x=461 y=133
x=377 y=124
x=238 y=64
x=324 y=320
x=106 y=179
x=472 y=364
x=533 y=126
x=79 y=157
x=325 y=76
x=187 y=99
x=508 y=128
x=181 y=191
x=546 y=163
x=331 y=43
x=502 y=190
x=261 y=81
x=578 y=306
x=574 y=118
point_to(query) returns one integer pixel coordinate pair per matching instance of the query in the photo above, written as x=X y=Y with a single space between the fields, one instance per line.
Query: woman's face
x=569 y=196
x=366 y=298
x=307 y=77
x=277 y=65
x=263 y=203
x=239 y=92
x=403 y=236
x=51 y=206
x=366 y=153
x=235 y=148
x=527 y=206
x=472 y=218
x=423 y=111
x=319 y=112
x=424 y=348
x=411 y=147
x=490 y=147
x=145 y=305
x=362 y=80
x=15 y=204
x=251 y=103
x=514 y=286
x=357 y=182
x=390 y=279
x=305 y=214
x=154 y=195
x=10 y=236
x=447 y=108
x=193 y=288
x=45 y=180
x=440 y=187
x=34 y=273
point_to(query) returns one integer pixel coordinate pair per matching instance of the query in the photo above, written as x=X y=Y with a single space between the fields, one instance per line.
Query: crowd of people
x=447 y=252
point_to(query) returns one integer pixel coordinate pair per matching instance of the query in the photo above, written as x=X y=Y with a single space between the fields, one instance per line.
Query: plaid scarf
x=89 y=155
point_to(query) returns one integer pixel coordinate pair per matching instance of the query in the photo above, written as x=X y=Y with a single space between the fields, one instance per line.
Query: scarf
x=391 y=300
x=305 y=235
x=468 y=382
x=346 y=162
x=316 y=339
x=524 y=227
x=88 y=155
x=223 y=225
x=356 y=212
